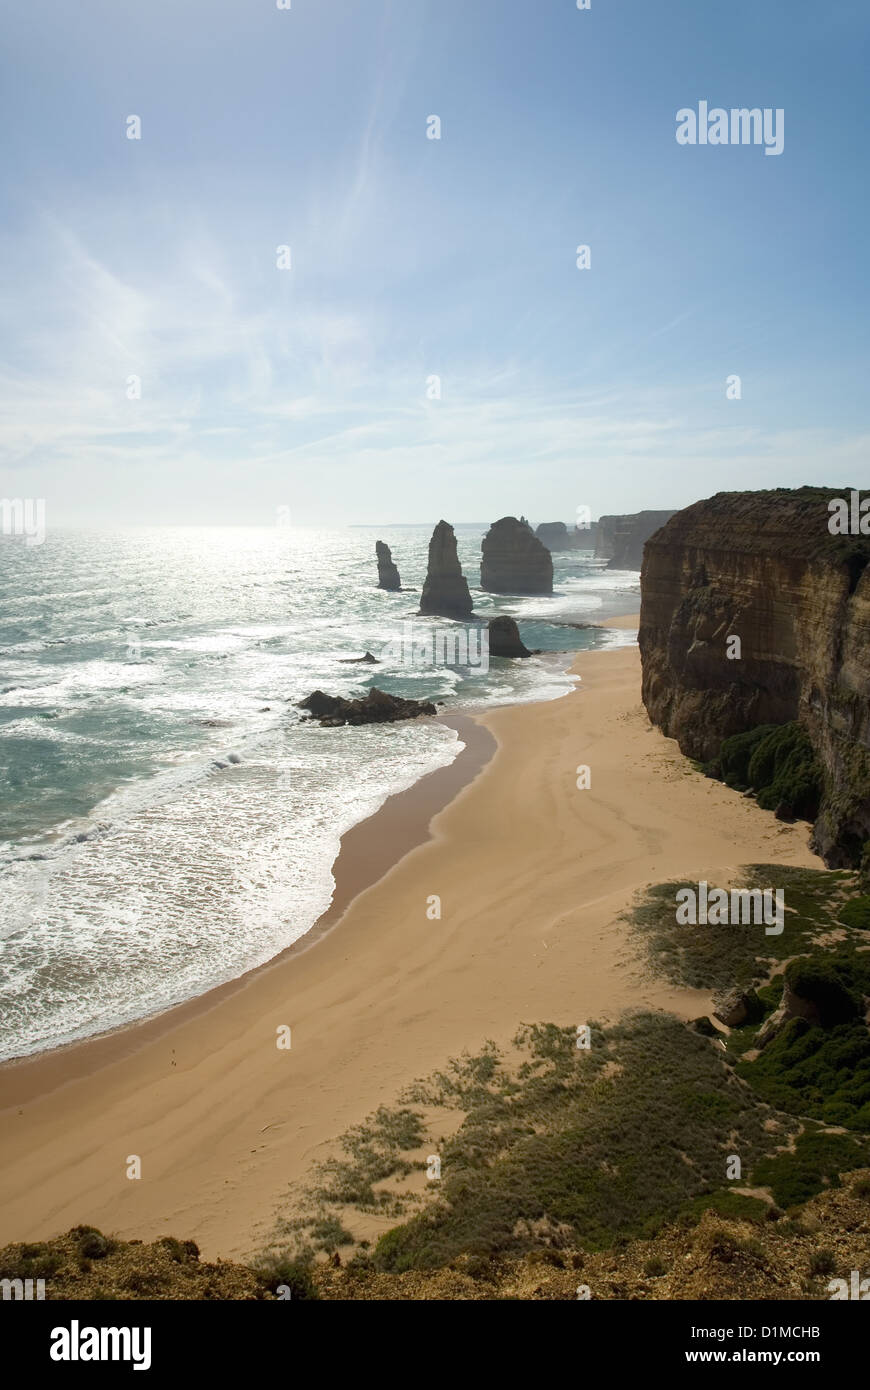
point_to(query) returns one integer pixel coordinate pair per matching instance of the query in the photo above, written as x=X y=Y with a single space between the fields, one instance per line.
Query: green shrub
x=295 y=1274
x=92 y=1244
x=771 y=995
x=598 y=1157
x=327 y=1233
x=375 y=1151
x=391 y=1252
x=734 y=1206
x=29 y=1262
x=741 y=956
x=731 y=764
x=823 y=1262
x=823 y=983
x=777 y=762
x=783 y=769
x=817 y=1161
x=856 y=913
x=808 y=1071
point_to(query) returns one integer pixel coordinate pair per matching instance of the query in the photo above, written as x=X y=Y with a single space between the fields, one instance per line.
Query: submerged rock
x=504 y=638
x=514 y=561
x=445 y=592
x=388 y=574
x=376 y=707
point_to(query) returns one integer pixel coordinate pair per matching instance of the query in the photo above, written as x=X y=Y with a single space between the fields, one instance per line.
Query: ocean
x=167 y=820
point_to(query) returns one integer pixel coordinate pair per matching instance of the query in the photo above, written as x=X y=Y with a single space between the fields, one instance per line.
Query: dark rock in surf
x=376 y=707
x=504 y=638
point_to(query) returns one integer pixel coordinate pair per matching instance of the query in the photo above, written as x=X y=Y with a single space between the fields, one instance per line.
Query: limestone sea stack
x=504 y=638
x=514 y=561
x=388 y=575
x=445 y=592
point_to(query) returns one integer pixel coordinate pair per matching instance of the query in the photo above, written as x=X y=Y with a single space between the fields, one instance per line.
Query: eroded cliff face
x=556 y=536
x=762 y=567
x=620 y=539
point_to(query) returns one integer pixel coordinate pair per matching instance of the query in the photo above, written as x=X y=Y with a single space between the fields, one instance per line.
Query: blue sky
x=306 y=388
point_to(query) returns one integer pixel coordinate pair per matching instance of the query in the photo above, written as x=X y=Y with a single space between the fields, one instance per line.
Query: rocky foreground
x=716 y=1259
x=794 y=1257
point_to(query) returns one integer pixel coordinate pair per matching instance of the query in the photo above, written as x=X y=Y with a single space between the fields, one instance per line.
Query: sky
x=309 y=389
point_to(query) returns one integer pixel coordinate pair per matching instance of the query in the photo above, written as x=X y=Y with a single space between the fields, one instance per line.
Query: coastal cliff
x=620 y=539
x=762 y=567
x=556 y=536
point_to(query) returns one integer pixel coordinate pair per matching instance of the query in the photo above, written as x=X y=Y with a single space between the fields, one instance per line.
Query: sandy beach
x=533 y=875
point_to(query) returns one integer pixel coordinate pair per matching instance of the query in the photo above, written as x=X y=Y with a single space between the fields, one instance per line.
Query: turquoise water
x=167 y=821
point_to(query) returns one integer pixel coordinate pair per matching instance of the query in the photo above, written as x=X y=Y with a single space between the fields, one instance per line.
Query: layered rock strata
x=763 y=568
x=620 y=539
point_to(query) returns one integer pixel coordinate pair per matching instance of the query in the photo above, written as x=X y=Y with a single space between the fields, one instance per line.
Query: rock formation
x=504 y=638
x=813 y=992
x=388 y=575
x=620 y=539
x=738 y=1006
x=763 y=567
x=445 y=592
x=377 y=707
x=556 y=536
x=514 y=561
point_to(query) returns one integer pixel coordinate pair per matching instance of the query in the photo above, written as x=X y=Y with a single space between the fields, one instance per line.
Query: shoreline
x=367 y=851
x=533 y=877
